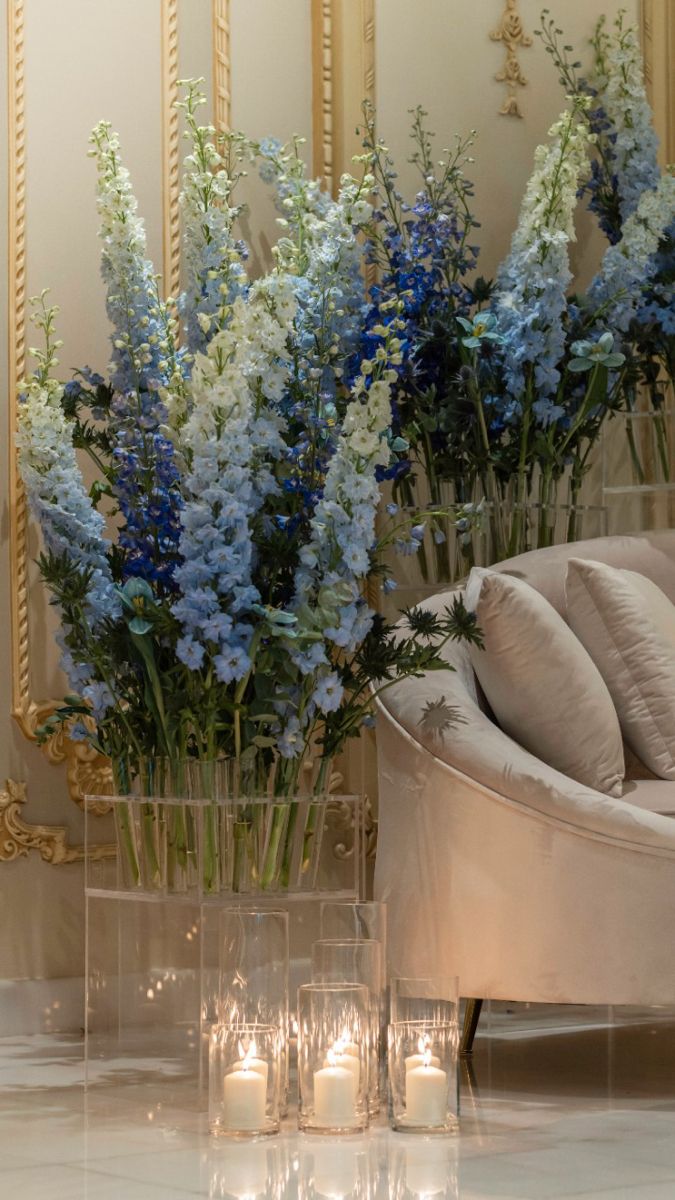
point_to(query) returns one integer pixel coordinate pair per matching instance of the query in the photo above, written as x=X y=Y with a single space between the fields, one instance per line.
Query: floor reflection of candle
x=244 y=1174
x=335 y=1170
x=427 y=1169
x=426 y=1094
x=334 y=1097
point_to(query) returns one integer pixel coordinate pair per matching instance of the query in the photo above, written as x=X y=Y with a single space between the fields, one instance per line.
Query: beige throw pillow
x=540 y=683
x=627 y=625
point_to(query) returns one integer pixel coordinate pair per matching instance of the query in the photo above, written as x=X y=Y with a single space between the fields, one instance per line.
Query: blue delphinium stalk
x=531 y=297
x=73 y=531
x=213 y=259
x=231 y=439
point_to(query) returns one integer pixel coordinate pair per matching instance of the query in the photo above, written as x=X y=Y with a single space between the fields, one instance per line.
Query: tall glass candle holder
x=355 y=960
x=245 y=1073
x=253 y=970
x=423 y=1077
x=363 y=919
x=435 y=1000
x=333 y=1054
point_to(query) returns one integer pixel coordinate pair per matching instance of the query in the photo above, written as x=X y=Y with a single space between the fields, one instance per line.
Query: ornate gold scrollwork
x=511 y=32
x=345 y=815
x=18 y=838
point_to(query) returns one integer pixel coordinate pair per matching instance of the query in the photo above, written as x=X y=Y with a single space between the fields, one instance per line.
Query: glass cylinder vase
x=253 y=973
x=357 y=960
x=245 y=1073
x=333 y=1058
x=423 y=1077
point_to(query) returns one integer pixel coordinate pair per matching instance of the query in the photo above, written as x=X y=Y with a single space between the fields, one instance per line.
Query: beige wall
x=85 y=59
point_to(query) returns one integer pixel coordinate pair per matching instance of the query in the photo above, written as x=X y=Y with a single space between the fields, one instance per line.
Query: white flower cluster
x=628 y=266
x=619 y=82
x=144 y=352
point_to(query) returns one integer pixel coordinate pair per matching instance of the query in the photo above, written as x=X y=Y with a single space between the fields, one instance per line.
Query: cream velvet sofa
x=501 y=870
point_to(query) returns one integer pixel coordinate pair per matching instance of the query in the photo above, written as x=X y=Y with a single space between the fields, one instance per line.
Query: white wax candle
x=418 y=1060
x=245 y=1098
x=426 y=1095
x=253 y=1064
x=334 y=1097
x=349 y=1063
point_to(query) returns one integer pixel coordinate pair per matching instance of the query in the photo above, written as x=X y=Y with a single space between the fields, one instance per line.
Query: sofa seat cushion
x=627 y=625
x=542 y=685
x=651 y=795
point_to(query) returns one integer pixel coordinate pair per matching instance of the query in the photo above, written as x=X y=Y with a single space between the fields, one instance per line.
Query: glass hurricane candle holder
x=245 y=1073
x=253 y=970
x=357 y=960
x=435 y=1000
x=423 y=1076
x=333 y=1054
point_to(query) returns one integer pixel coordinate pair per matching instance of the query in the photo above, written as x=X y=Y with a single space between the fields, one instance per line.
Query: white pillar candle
x=349 y=1063
x=426 y=1095
x=245 y=1099
x=334 y=1095
x=253 y=1064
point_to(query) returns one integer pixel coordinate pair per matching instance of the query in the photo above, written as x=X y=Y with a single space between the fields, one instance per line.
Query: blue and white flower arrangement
x=213 y=581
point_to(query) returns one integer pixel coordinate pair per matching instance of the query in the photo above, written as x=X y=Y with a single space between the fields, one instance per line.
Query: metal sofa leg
x=471 y=1019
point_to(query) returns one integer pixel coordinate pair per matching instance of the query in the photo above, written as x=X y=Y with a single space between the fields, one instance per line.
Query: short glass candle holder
x=245 y=1079
x=423 y=1077
x=333 y=1057
x=358 y=960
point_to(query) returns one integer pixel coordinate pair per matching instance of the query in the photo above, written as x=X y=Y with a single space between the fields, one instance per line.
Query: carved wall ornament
x=18 y=838
x=512 y=33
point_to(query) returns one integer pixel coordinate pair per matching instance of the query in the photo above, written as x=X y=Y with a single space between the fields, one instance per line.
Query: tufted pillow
x=627 y=624
x=542 y=686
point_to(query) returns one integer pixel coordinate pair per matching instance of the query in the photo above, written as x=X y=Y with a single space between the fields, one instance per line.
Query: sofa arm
x=439 y=714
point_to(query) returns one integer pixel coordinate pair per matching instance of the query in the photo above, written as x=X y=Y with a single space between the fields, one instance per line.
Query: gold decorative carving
x=511 y=32
x=170 y=147
x=343 y=76
x=658 y=47
x=18 y=838
x=345 y=815
x=221 y=64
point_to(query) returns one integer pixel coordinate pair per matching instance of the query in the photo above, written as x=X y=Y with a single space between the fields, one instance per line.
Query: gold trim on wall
x=221 y=64
x=658 y=46
x=343 y=76
x=86 y=771
x=170 y=148
x=17 y=838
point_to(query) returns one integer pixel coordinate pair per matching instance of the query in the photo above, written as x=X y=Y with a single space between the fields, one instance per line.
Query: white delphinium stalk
x=213 y=259
x=532 y=283
x=630 y=143
x=144 y=355
x=628 y=266
x=231 y=440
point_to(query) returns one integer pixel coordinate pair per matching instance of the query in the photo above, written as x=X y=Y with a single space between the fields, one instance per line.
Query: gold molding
x=658 y=47
x=511 y=33
x=343 y=76
x=222 y=95
x=86 y=771
x=170 y=148
x=17 y=838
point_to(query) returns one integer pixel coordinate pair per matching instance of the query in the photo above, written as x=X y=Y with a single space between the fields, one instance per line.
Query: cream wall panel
x=271 y=83
x=438 y=53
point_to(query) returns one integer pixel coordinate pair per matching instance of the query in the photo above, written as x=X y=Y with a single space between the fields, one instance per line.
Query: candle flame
x=427 y=1057
x=423 y=1043
x=331 y=1058
x=247 y=1055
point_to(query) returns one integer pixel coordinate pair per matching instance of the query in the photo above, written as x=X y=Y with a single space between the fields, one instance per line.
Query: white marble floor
x=560 y=1103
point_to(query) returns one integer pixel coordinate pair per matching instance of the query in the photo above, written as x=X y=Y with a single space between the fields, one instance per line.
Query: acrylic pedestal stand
x=152 y=978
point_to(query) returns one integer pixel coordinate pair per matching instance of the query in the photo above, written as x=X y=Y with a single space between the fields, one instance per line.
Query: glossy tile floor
x=562 y=1102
